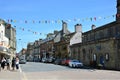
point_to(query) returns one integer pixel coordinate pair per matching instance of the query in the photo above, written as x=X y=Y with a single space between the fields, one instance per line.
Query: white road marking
x=23 y=74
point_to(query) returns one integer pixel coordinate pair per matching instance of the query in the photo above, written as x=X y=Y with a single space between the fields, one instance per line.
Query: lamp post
x=21 y=43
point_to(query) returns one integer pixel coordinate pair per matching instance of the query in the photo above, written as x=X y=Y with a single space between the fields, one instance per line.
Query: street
x=42 y=67
x=46 y=71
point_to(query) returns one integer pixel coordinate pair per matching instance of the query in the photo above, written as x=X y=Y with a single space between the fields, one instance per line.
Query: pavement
x=11 y=75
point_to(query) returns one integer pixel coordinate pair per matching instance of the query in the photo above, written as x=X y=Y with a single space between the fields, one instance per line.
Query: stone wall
x=102 y=49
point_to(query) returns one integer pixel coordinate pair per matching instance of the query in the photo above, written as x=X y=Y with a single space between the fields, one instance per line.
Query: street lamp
x=21 y=43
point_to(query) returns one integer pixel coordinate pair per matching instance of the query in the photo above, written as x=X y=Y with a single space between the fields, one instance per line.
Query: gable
x=77 y=38
x=57 y=38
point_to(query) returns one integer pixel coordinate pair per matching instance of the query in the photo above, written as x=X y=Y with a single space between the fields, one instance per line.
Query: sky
x=33 y=19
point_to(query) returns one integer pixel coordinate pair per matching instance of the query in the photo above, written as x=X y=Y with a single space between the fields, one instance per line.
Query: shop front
x=4 y=52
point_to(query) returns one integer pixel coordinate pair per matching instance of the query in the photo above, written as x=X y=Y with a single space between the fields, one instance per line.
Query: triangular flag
x=91 y=19
x=14 y=21
x=49 y=21
x=39 y=21
x=75 y=20
x=33 y=21
x=45 y=21
x=11 y=20
x=95 y=18
x=42 y=21
x=8 y=20
x=25 y=21
x=113 y=15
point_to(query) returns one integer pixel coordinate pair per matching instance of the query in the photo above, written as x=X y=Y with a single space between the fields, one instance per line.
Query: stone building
x=7 y=40
x=75 y=39
x=100 y=45
x=29 y=53
x=62 y=41
x=36 y=50
x=46 y=46
x=10 y=33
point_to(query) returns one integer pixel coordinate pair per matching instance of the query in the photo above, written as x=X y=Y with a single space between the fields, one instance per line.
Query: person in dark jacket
x=3 y=63
x=13 y=63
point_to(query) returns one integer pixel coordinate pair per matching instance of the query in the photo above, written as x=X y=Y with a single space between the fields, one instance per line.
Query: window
x=110 y=32
x=101 y=34
x=94 y=57
x=84 y=54
x=107 y=57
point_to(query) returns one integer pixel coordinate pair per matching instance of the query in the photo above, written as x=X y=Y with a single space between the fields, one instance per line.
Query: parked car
x=75 y=63
x=44 y=60
x=67 y=62
x=22 y=61
x=63 y=61
x=58 y=61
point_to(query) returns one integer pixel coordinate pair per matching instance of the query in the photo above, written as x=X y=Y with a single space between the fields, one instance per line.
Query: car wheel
x=72 y=65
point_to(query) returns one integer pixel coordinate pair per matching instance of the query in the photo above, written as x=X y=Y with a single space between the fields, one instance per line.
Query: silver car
x=22 y=61
x=75 y=63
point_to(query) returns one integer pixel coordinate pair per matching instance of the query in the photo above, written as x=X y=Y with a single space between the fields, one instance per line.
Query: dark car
x=58 y=61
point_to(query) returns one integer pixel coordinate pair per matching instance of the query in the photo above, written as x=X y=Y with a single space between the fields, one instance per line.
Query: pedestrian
x=13 y=63
x=17 y=63
x=8 y=61
x=3 y=62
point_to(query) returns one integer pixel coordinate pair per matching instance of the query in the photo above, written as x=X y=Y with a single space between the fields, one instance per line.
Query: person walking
x=17 y=63
x=13 y=63
x=8 y=61
x=3 y=62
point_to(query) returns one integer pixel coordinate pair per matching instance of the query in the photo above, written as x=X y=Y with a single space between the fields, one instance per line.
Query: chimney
x=78 y=28
x=64 y=27
x=55 y=31
x=118 y=11
x=93 y=27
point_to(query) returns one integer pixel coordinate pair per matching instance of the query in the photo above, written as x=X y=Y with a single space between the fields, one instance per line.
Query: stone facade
x=62 y=42
x=99 y=45
x=11 y=34
x=29 y=53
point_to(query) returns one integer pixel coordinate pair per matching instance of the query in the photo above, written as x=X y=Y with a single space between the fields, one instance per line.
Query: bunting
x=23 y=29
x=59 y=21
x=55 y=21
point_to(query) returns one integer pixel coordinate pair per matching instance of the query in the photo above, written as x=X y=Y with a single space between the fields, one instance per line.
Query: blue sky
x=71 y=11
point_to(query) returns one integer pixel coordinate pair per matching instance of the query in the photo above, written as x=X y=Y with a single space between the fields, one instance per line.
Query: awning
x=4 y=50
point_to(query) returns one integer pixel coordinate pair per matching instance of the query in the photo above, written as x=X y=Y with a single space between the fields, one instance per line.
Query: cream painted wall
x=57 y=38
x=4 y=41
x=77 y=38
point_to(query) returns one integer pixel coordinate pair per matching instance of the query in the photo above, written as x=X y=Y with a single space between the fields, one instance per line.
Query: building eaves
x=102 y=27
